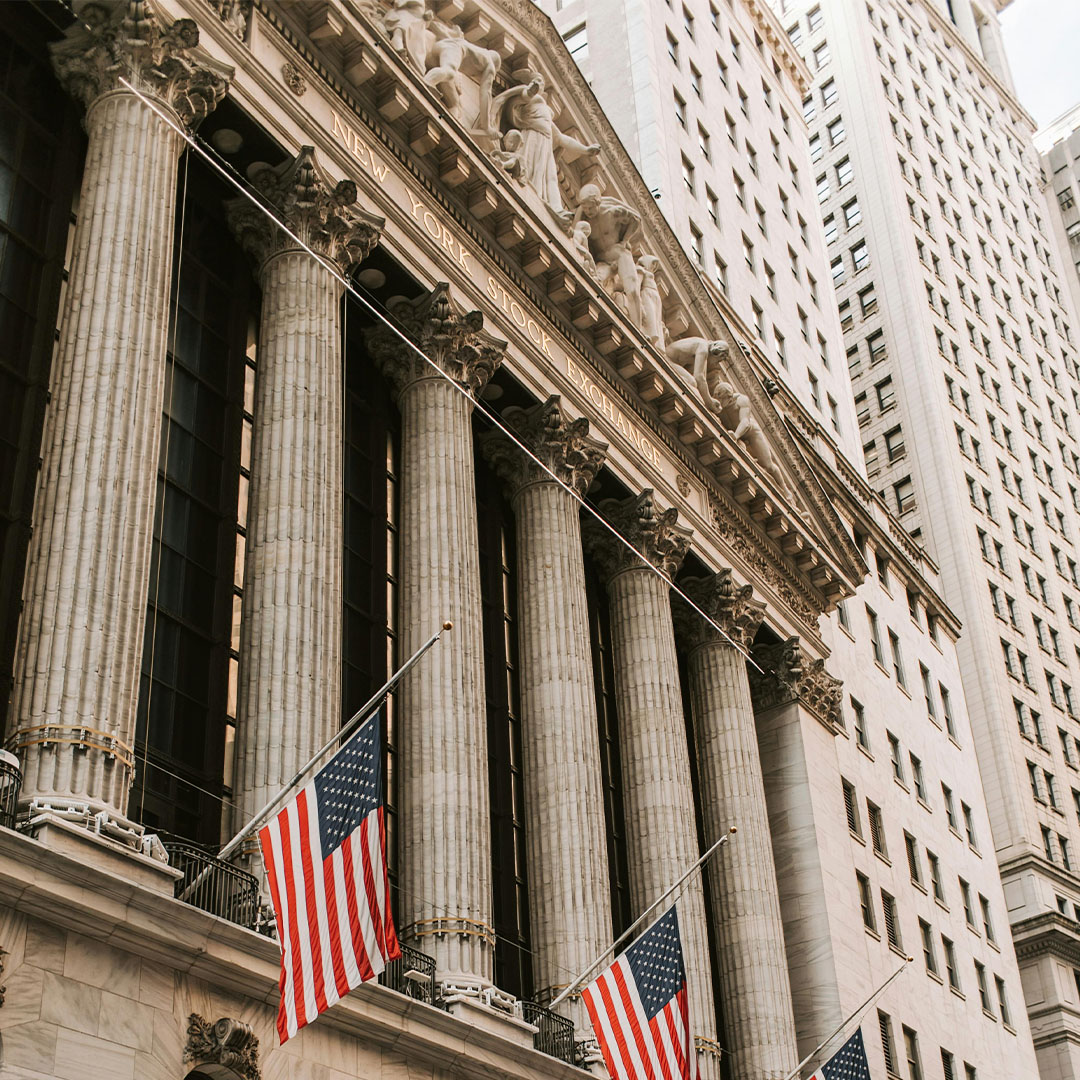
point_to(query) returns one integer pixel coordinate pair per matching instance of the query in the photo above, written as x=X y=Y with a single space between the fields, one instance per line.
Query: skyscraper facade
x=959 y=334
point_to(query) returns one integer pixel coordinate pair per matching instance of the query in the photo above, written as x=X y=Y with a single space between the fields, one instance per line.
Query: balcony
x=213 y=885
x=554 y=1033
x=10 y=782
x=412 y=975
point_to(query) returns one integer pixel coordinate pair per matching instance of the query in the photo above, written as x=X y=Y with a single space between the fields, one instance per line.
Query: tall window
x=370 y=552
x=39 y=146
x=187 y=694
x=610 y=766
x=513 y=966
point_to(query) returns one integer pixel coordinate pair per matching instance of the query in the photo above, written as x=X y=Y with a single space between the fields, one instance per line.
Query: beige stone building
x=268 y=392
x=1059 y=145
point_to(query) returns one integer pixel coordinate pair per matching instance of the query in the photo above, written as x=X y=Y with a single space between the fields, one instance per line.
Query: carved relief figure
x=406 y=24
x=581 y=234
x=449 y=56
x=652 y=314
x=511 y=156
x=735 y=415
x=701 y=359
x=615 y=229
x=531 y=114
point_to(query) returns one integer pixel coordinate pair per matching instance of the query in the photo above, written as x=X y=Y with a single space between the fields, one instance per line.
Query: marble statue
x=652 y=313
x=734 y=412
x=701 y=359
x=615 y=228
x=582 y=232
x=510 y=155
x=451 y=54
x=407 y=25
x=531 y=114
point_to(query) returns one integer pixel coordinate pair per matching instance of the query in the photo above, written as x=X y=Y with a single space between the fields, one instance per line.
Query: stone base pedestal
x=99 y=851
x=474 y=1011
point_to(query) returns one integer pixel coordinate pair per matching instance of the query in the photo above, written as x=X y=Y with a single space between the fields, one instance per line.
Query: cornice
x=1048 y=934
x=775 y=34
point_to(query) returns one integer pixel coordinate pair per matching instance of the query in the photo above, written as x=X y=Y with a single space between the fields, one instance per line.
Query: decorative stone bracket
x=226 y=1042
x=788 y=674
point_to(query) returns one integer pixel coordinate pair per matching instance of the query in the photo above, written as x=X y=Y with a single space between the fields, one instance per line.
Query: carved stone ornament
x=564 y=446
x=129 y=40
x=651 y=531
x=323 y=215
x=234 y=14
x=738 y=535
x=455 y=341
x=788 y=674
x=293 y=78
x=226 y=1042
x=732 y=607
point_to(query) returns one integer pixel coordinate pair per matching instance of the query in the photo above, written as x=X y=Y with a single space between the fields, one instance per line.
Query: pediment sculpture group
x=517 y=129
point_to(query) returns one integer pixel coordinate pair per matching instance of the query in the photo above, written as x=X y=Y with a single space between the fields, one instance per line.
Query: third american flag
x=639 y=1011
x=326 y=865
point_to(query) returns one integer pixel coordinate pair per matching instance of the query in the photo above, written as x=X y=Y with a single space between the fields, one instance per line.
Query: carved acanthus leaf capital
x=651 y=531
x=788 y=674
x=456 y=342
x=318 y=212
x=564 y=446
x=226 y=1042
x=732 y=607
x=129 y=40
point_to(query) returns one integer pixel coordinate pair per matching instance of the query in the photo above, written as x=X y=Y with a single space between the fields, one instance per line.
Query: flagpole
x=638 y=921
x=357 y=717
x=847 y=1019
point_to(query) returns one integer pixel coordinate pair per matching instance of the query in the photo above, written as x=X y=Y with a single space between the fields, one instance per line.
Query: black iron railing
x=10 y=782
x=213 y=885
x=412 y=975
x=554 y=1033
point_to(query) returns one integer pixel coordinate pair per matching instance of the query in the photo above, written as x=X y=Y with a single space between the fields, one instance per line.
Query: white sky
x=1042 y=40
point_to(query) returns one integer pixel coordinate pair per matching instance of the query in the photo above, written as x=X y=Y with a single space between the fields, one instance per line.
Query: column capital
x=456 y=341
x=789 y=674
x=321 y=213
x=654 y=532
x=130 y=40
x=731 y=606
x=564 y=446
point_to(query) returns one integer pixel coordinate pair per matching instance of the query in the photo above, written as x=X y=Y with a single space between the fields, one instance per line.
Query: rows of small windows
x=912 y=1054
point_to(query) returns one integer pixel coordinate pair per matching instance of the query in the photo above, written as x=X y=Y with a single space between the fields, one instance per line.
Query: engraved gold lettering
x=416 y=203
x=517 y=314
x=493 y=288
x=431 y=223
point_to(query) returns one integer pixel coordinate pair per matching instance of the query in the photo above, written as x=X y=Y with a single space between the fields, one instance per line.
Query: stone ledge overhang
x=1049 y=933
x=54 y=887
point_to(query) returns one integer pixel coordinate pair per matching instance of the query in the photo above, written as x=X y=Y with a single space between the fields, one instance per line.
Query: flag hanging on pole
x=325 y=856
x=848 y=1063
x=638 y=1007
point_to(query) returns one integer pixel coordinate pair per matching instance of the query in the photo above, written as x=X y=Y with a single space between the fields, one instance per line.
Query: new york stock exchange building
x=251 y=463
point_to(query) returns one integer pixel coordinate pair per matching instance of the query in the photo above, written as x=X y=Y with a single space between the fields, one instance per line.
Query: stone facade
x=448 y=239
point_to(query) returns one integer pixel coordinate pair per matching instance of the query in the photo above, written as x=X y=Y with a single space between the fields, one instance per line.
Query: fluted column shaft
x=570 y=906
x=569 y=897
x=88 y=570
x=290 y=643
x=754 y=984
x=657 y=791
x=446 y=881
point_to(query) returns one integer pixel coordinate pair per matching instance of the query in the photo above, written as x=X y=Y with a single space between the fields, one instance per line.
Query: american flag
x=325 y=856
x=639 y=1010
x=848 y=1063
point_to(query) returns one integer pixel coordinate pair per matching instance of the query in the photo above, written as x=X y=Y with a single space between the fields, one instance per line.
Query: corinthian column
x=657 y=791
x=442 y=725
x=80 y=642
x=754 y=983
x=569 y=902
x=290 y=644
